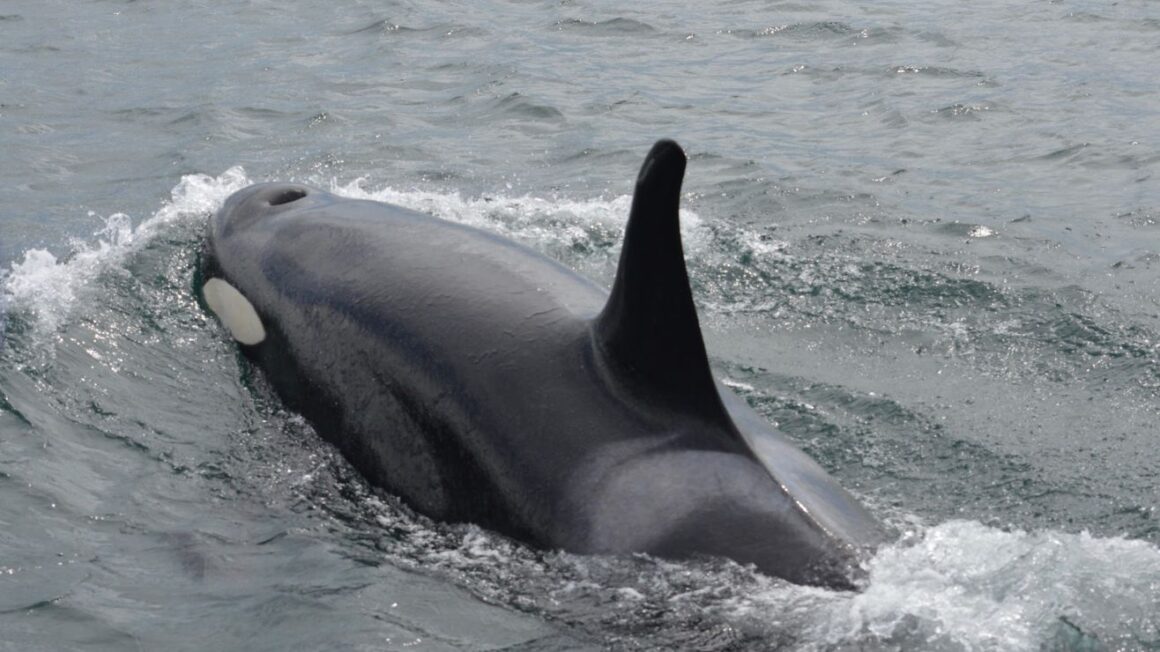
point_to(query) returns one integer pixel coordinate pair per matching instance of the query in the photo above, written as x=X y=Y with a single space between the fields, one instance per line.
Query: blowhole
x=286 y=196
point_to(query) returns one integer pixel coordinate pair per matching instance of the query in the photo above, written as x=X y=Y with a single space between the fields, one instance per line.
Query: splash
x=549 y=223
x=964 y=585
x=48 y=288
x=958 y=585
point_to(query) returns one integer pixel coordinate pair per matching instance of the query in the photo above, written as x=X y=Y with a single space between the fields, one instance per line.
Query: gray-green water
x=925 y=242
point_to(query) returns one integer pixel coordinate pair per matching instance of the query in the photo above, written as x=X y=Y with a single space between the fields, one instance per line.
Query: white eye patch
x=234 y=310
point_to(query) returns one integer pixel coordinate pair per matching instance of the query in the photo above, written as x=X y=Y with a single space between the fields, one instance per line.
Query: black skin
x=485 y=383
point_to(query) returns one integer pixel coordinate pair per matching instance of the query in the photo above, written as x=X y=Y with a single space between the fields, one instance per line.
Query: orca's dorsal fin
x=649 y=328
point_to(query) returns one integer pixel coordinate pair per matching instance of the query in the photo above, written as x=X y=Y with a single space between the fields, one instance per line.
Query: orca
x=483 y=382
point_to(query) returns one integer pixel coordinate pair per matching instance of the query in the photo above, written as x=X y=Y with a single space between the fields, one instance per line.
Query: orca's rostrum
x=483 y=382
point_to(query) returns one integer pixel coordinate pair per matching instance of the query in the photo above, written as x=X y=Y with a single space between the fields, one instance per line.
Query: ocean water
x=924 y=240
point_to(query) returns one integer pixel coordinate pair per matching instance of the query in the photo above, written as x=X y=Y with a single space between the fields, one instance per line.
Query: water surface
x=924 y=241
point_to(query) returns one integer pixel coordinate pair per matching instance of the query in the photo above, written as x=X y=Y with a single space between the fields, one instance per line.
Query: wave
x=48 y=287
x=956 y=585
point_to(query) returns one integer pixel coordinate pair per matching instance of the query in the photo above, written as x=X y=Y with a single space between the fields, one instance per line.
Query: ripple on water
x=612 y=27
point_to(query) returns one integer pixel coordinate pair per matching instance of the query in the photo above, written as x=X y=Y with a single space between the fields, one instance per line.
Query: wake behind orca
x=485 y=383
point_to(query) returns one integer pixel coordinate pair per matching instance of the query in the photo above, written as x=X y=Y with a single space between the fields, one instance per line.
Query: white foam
x=959 y=585
x=48 y=287
x=963 y=585
x=540 y=220
x=737 y=385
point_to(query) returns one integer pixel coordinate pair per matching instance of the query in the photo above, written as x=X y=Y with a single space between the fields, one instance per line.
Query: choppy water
x=925 y=241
